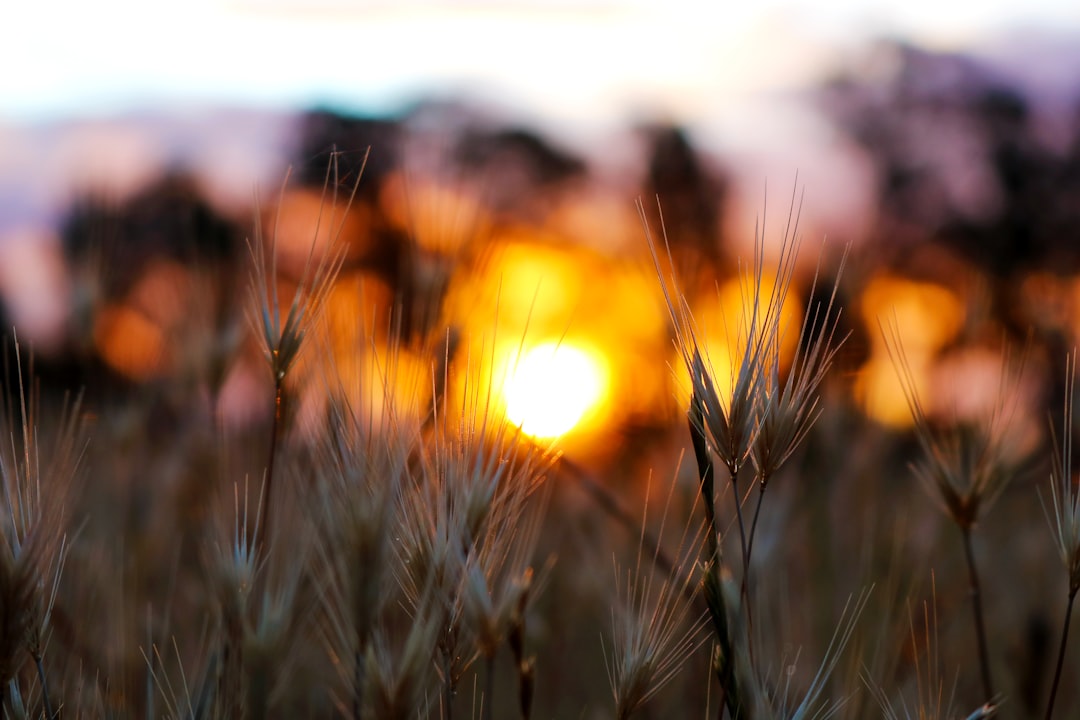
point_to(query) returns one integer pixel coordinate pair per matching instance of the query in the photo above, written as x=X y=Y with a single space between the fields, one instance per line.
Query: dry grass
x=435 y=562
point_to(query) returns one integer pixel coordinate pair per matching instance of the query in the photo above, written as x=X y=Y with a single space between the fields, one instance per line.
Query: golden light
x=528 y=288
x=524 y=281
x=722 y=320
x=306 y=223
x=360 y=357
x=440 y=218
x=927 y=316
x=138 y=337
x=553 y=387
x=879 y=391
x=130 y=342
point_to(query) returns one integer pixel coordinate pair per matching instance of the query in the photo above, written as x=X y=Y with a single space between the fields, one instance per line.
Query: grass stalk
x=739 y=520
x=526 y=684
x=525 y=666
x=975 y=590
x=49 y=714
x=1061 y=653
x=744 y=586
x=753 y=530
x=744 y=591
x=262 y=529
x=724 y=663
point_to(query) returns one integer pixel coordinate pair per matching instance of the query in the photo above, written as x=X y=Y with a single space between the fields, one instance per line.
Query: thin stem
x=1061 y=653
x=754 y=522
x=745 y=591
x=739 y=518
x=977 y=609
x=49 y=714
x=525 y=689
x=745 y=556
x=525 y=668
x=724 y=665
x=263 y=528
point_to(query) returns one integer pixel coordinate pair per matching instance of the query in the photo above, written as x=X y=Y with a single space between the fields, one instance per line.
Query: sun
x=552 y=388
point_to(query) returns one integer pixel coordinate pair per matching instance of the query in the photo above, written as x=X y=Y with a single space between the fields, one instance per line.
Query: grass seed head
x=966 y=466
x=733 y=419
x=791 y=407
x=283 y=337
x=655 y=623
x=37 y=473
x=401 y=678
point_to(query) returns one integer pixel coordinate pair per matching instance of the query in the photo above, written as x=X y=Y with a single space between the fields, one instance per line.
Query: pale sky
x=564 y=59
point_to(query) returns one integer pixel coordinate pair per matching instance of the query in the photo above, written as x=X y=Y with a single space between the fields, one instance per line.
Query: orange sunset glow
x=553 y=387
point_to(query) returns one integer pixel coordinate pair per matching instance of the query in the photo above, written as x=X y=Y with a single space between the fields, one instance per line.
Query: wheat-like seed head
x=264 y=600
x=930 y=702
x=812 y=706
x=967 y=466
x=790 y=408
x=732 y=409
x=360 y=475
x=37 y=474
x=233 y=560
x=283 y=338
x=655 y=623
x=470 y=516
x=280 y=615
x=401 y=677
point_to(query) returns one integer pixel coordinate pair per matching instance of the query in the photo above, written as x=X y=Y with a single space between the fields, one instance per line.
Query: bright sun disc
x=551 y=388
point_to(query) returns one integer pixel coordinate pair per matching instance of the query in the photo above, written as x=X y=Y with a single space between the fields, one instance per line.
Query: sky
x=74 y=77
x=563 y=59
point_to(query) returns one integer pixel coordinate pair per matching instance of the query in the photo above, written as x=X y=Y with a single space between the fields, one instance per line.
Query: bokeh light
x=722 y=320
x=553 y=387
x=926 y=316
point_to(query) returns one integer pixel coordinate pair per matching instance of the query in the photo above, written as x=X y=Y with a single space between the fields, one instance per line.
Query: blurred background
x=496 y=212
x=515 y=137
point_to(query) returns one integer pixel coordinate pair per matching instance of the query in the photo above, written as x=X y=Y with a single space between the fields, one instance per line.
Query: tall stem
x=980 y=622
x=750 y=548
x=753 y=523
x=738 y=516
x=525 y=667
x=745 y=558
x=1061 y=652
x=724 y=667
x=49 y=715
x=264 y=497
